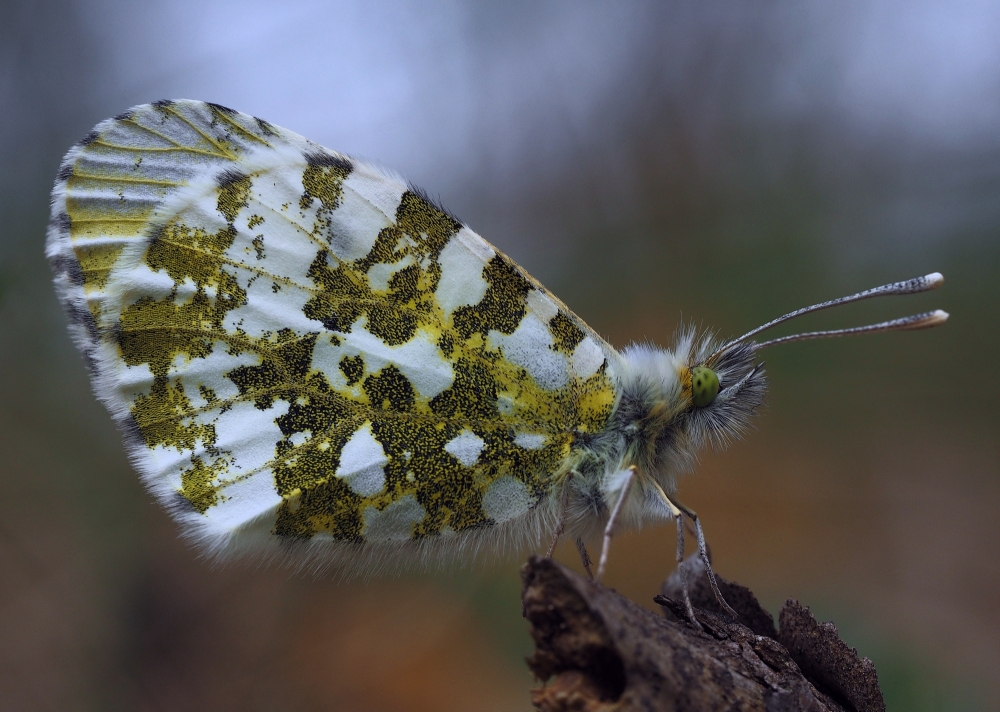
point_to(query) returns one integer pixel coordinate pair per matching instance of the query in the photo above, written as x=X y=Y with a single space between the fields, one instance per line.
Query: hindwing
x=302 y=347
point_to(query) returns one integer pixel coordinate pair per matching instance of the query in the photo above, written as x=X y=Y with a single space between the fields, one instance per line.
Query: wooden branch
x=596 y=651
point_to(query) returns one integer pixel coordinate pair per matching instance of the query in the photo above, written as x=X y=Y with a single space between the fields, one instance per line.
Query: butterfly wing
x=300 y=347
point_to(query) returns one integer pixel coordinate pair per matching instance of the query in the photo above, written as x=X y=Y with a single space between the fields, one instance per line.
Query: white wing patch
x=506 y=499
x=461 y=282
x=417 y=359
x=249 y=433
x=530 y=441
x=542 y=306
x=546 y=365
x=587 y=358
x=395 y=522
x=465 y=447
x=362 y=463
x=354 y=228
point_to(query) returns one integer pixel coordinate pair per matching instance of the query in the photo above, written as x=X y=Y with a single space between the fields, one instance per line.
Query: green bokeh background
x=651 y=162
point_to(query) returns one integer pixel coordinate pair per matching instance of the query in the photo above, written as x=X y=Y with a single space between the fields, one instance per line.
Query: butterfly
x=308 y=357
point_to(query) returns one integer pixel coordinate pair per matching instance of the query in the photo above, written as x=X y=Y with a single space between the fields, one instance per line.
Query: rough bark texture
x=596 y=651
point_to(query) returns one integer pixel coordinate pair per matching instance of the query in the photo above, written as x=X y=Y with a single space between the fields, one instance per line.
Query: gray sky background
x=453 y=92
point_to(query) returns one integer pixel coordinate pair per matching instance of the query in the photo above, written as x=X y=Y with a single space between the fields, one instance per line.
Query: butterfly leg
x=703 y=550
x=584 y=557
x=609 y=530
x=681 y=569
x=563 y=505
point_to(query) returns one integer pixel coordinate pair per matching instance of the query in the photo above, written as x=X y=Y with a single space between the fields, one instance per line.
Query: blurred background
x=651 y=161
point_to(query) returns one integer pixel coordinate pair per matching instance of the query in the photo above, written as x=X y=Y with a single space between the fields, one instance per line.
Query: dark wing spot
x=322 y=179
x=393 y=325
x=185 y=252
x=322 y=159
x=390 y=390
x=426 y=223
x=395 y=321
x=234 y=193
x=265 y=128
x=403 y=285
x=331 y=506
x=316 y=408
x=447 y=344
x=319 y=410
x=164 y=103
x=353 y=368
x=473 y=394
x=436 y=204
x=503 y=305
x=282 y=366
x=197 y=486
x=383 y=251
x=565 y=333
x=207 y=393
x=338 y=303
x=88 y=139
x=448 y=491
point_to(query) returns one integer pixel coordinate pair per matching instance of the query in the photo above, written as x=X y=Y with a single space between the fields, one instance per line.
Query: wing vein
x=163 y=149
x=228 y=154
x=154 y=132
x=233 y=263
x=241 y=129
x=319 y=243
x=126 y=179
x=77 y=221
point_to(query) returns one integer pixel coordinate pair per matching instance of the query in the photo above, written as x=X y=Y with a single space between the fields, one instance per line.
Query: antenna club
x=933 y=281
x=938 y=316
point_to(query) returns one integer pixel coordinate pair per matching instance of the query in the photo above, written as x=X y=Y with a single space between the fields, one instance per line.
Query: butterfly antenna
x=907 y=323
x=910 y=286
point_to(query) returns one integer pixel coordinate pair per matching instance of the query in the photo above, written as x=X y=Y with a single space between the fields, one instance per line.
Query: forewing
x=297 y=344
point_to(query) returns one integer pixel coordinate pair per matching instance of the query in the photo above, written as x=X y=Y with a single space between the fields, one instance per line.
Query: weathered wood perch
x=596 y=651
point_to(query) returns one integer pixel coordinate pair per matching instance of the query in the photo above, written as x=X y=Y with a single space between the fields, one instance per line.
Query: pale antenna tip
x=933 y=281
x=938 y=316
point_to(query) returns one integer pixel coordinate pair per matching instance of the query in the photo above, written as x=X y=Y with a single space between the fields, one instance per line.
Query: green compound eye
x=704 y=386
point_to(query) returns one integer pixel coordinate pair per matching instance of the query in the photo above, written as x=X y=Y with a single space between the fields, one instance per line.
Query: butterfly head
x=721 y=388
x=676 y=401
x=704 y=392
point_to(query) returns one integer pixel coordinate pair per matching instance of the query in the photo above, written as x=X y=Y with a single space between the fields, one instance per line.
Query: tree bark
x=596 y=651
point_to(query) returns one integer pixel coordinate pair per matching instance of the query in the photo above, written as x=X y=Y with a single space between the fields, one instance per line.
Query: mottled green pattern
x=318 y=407
x=414 y=431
